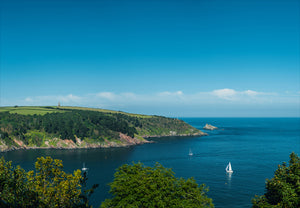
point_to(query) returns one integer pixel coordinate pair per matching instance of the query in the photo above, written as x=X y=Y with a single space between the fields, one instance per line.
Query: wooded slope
x=53 y=126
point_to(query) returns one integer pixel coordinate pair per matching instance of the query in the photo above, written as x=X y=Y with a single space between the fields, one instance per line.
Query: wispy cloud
x=227 y=94
x=106 y=95
x=167 y=93
x=244 y=96
x=251 y=93
x=168 y=100
x=28 y=99
x=167 y=97
x=53 y=99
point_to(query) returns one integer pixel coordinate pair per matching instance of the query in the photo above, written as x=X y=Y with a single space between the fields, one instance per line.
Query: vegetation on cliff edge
x=284 y=189
x=93 y=126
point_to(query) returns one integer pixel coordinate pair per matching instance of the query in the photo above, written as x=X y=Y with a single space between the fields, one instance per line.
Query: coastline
x=101 y=129
x=179 y=135
x=126 y=141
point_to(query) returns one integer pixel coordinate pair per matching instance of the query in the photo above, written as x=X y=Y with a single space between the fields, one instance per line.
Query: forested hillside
x=80 y=127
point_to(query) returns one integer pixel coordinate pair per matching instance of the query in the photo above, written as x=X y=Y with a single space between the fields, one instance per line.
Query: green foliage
x=139 y=186
x=162 y=126
x=284 y=189
x=47 y=186
x=14 y=191
x=33 y=129
x=35 y=138
x=89 y=125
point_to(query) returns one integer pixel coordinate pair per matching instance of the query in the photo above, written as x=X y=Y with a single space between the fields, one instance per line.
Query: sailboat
x=190 y=153
x=84 y=168
x=228 y=168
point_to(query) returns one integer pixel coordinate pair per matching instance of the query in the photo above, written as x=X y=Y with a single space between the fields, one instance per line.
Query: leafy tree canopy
x=47 y=186
x=139 y=186
x=284 y=189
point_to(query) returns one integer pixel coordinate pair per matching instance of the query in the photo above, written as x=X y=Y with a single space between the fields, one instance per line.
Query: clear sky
x=204 y=58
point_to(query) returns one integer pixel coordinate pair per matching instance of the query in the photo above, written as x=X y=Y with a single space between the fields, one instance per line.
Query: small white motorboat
x=190 y=153
x=84 y=168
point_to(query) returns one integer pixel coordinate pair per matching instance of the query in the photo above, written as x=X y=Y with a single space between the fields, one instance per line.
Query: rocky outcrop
x=123 y=141
x=57 y=143
x=175 y=134
x=4 y=147
x=210 y=127
x=132 y=141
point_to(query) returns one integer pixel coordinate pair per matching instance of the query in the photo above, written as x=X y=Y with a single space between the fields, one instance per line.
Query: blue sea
x=254 y=146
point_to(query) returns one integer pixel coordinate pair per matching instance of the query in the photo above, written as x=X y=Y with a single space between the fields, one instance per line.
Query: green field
x=42 y=110
x=104 y=111
x=31 y=110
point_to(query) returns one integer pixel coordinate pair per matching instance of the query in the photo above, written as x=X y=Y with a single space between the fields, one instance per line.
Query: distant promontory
x=76 y=127
x=210 y=127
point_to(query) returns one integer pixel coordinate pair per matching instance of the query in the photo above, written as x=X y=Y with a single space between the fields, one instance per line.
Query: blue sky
x=206 y=58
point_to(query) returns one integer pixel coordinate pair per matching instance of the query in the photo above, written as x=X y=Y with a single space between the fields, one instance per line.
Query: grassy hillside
x=41 y=110
x=104 y=111
x=30 y=110
x=75 y=127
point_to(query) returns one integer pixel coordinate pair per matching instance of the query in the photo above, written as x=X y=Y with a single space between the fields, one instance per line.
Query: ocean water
x=254 y=146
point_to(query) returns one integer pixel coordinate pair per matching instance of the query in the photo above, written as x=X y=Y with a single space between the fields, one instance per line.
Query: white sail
x=190 y=153
x=228 y=168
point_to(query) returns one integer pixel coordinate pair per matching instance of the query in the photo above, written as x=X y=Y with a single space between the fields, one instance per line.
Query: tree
x=139 y=186
x=47 y=186
x=284 y=189
x=53 y=185
x=14 y=191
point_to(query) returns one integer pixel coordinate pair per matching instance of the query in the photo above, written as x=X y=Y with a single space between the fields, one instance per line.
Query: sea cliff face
x=57 y=143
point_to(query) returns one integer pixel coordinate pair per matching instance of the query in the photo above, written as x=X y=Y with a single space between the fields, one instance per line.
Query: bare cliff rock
x=57 y=143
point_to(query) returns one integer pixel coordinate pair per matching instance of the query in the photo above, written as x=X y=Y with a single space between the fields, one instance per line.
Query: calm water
x=254 y=146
